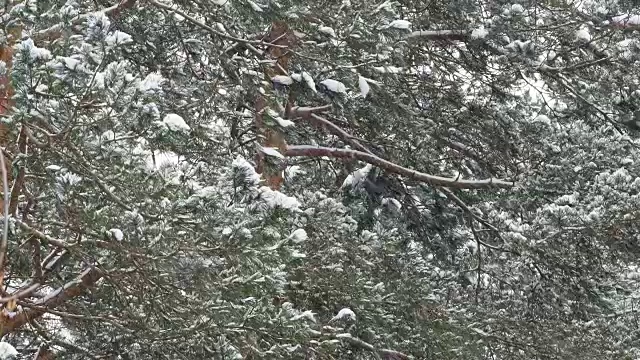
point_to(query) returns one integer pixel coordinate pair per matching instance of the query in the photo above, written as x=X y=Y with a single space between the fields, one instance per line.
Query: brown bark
x=12 y=321
x=283 y=39
x=317 y=151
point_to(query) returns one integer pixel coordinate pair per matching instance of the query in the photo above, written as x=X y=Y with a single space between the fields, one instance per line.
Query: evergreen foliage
x=471 y=193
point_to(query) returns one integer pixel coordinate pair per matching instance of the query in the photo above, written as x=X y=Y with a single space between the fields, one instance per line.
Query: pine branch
x=435 y=35
x=316 y=151
x=55 y=31
x=12 y=321
x=385 y=354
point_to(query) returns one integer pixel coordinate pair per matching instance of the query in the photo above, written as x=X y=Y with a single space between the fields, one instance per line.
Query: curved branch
x=316 y=151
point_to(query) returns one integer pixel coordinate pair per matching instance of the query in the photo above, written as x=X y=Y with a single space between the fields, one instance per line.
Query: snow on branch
x=336 y=130
x=55 y=31
x=191 y=19
x=10 y=321
x=626 y=21
x=450 y=35
x=383 y=353
x=44 y=238
x=316 y=151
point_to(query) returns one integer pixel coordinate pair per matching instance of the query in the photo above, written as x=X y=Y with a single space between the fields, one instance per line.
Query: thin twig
x=212 y=30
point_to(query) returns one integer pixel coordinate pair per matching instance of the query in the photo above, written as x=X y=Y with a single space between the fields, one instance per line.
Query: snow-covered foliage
x=7 y=351
x=364 y=86
x=144 y=216
x=327 y=31
x=334 y=86
x=175 y=122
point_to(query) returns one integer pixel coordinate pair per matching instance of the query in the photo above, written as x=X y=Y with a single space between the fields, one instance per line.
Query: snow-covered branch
x=431 y=35
x=9 y=321
x=336 y=130
x=316 y=151
x=55 y=31
x=41 y=236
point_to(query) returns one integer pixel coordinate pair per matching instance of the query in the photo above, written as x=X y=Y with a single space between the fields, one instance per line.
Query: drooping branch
x=316 y=151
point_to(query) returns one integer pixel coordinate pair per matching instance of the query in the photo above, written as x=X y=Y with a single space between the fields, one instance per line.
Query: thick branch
x=314 y=151
x=11 y=322
x=42 y=236
x=431 y=35
x=305 y=112
x=336 y=130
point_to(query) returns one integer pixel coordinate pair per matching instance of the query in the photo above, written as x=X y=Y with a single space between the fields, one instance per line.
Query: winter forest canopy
x=287 y=179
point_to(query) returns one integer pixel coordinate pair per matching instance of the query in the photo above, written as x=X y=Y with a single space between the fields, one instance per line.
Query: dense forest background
x=287 y=179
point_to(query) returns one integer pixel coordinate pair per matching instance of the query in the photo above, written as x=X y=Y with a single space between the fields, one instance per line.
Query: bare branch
x=464 y=207
x=306 y=112
x=316 y=151
x=21 y=293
